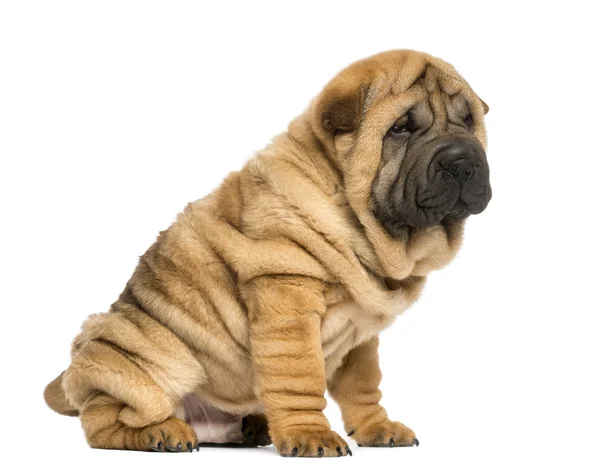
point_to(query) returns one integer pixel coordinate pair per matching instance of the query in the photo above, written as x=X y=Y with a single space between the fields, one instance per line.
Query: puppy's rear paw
x=311 y=442
x=172 y=435
x=256 y=430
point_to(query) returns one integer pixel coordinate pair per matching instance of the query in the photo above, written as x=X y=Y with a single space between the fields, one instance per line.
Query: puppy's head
x=407 y=133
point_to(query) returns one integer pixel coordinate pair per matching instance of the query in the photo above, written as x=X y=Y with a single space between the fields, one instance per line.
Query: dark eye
x=468 y=120
x=398 y=129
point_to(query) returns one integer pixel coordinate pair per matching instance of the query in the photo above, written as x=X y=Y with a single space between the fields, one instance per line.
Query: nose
x=461 y=169
x=459 y=160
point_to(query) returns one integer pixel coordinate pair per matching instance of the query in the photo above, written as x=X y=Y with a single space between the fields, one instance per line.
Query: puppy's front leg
x=355 y=387
x=285 y=316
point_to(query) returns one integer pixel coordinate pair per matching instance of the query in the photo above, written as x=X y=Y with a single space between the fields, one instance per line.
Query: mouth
x=455 y=203
x=459 y=210
x=433 y=206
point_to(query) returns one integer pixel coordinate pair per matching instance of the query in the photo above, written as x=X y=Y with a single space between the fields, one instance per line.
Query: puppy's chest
x=344 y=327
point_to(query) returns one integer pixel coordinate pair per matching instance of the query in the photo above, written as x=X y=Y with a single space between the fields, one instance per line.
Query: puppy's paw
x=256 y=430
x=310 y=442
x=172 y=435
x=385 y=434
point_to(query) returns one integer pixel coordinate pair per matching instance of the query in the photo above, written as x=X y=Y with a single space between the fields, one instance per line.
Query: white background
x=114 y=115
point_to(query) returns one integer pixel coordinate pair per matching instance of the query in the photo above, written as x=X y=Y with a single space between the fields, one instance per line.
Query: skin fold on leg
x=355 y=387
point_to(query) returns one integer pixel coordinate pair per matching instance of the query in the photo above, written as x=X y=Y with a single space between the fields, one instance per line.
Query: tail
x=55 y=397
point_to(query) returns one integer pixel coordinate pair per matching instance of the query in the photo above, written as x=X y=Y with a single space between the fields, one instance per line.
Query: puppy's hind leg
x=104 y=429
x=126 y=385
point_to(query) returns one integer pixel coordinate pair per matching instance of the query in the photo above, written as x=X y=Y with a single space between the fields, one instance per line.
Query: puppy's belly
x=211 y=424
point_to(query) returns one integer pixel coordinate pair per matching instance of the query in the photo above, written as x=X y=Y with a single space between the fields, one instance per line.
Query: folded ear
x=486 y=109
x=339 y=107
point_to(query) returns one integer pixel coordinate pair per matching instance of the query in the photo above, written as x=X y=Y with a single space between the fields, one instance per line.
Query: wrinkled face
x=432 y=164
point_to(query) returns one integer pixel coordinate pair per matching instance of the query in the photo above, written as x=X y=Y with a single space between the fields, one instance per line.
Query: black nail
x=340 y=452
x=320 y=451
x=348 y=451
x=416 y=442
x=189 y=446
x=295 y=452
x=392 y=444
x=159 y=446
x=351 y=433
x=197 y=447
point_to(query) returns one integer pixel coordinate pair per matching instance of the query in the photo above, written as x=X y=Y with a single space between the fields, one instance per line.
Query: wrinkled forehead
x=432 y=94
x=440 y=89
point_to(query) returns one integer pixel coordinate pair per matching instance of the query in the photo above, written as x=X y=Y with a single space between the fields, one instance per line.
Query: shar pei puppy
x=273 y=288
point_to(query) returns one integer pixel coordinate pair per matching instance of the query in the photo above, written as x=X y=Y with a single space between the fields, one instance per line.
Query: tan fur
x=272 y=288
x=56 y=398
